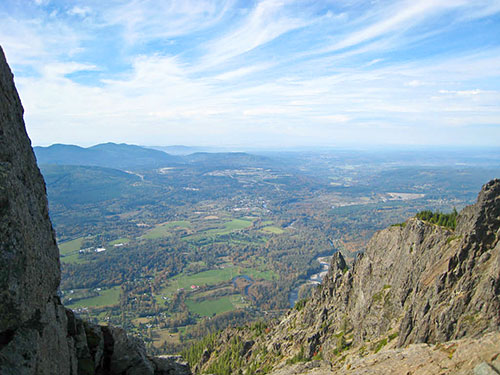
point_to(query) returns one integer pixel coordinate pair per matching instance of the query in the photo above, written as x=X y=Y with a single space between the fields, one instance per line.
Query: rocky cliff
x=37 y=334
x=422 y=281
x=417 y=286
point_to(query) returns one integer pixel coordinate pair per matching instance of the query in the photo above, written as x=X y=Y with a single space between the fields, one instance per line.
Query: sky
x=269 y=73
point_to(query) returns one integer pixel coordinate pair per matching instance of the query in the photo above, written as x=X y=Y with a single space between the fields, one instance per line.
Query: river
x=315 y=278
x=247 y=278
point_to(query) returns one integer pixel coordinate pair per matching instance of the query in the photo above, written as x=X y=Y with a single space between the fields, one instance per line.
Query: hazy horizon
x=271 y=74
x=346 y=147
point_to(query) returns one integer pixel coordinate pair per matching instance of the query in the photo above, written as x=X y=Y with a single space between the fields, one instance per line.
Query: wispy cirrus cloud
x=33 y=41
x=398 y=18
x=241 y=72
x=404 y=23
x=81 y=11
x=266 y=22
x=267 y=72
x=145 y=20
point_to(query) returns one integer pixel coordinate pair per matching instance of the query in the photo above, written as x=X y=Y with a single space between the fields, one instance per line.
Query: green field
x=214 y=306
x=228 y=227
x=258 y=274
x=273 y=230
x=69 y=250
x=69 y=247
x=164 y=230
x=210 y=277
x=107 y=297
x=235 y=224
x=73 y=258
x=213 y=277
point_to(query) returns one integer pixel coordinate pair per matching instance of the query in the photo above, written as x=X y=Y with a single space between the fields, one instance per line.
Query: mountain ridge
x=110 y=155
x=126 y=156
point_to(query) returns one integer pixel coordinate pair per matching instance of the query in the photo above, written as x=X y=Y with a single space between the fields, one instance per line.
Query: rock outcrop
x=37 y=334
x=478 y=356
x=417 y=284
x=420 y=281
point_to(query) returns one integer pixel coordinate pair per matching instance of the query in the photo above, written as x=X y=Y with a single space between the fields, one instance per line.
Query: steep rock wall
x=37 y=334
x=419 y=281
x=32 y=320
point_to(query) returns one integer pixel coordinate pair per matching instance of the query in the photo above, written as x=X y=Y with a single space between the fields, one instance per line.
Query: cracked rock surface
x=37 y=334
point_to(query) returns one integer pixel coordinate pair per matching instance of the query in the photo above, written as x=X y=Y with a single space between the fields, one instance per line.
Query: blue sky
x=271 y=73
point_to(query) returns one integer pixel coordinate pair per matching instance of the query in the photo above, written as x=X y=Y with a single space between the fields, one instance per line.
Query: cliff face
x=416 y=283
x=459 y=295
x=37 y=334
x=31 y=317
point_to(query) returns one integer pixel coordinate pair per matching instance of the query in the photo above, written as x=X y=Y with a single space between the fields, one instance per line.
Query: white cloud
x=228 y=78
x=415 y=83
x=145 y=20
x=461 y=92
x=59 y=70
x=266 y=22
x=398 y=18
x=266 y=110
x=79 y=11
x=374 y=61
x=241 y=72
x=31 y=42
x=335 y=118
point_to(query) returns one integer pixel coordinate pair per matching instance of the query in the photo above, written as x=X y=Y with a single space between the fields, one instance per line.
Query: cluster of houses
x=92 y=250
x=98 y=249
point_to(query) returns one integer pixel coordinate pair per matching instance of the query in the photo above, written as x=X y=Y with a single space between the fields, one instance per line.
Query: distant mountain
x=110 y=155
x=187 y=150
x=182 y=150
x=74 y=184
x=123 y=156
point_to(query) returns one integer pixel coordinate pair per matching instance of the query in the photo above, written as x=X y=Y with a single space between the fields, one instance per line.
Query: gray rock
x=427 y=283
x=128 y=354
x=31 y=316
x=484 y=369
x=167 y=365
x=37 y=334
